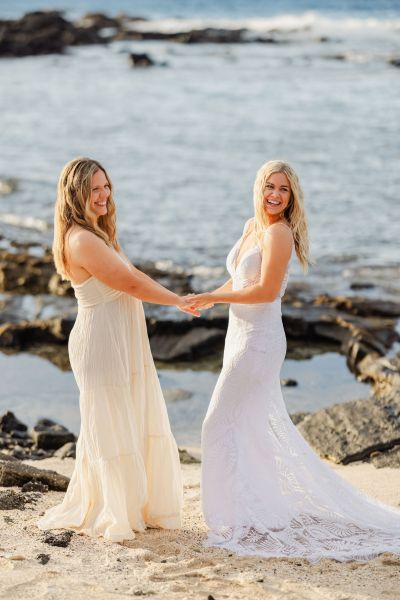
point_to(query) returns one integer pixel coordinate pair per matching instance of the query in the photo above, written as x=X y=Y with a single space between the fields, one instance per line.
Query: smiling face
x=276 y=195
x=100 y=192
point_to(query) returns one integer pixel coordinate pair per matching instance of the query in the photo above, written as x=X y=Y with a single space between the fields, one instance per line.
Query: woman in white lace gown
x=264 y=490
x=127 y=471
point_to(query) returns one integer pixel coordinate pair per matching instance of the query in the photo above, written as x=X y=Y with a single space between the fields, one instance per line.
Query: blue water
x=207 y=8
x=183 y=142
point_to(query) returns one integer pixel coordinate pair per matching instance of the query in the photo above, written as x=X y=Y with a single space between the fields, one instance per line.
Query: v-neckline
x=236 y=262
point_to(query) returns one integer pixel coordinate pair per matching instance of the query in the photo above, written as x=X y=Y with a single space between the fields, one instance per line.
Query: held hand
x=200 y=301
x=186 y=307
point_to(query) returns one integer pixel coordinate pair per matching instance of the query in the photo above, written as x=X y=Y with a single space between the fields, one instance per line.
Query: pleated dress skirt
x=127 y=473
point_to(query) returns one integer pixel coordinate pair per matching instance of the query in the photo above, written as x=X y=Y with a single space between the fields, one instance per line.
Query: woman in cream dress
x=264 y=490
x=127 y=471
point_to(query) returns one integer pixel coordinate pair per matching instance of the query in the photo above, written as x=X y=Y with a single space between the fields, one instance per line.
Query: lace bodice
x=248 y=271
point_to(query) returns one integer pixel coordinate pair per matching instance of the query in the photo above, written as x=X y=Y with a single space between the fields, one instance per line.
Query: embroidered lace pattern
x=264 y=490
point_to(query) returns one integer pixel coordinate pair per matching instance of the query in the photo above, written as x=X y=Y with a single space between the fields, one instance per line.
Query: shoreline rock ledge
x=365 y=429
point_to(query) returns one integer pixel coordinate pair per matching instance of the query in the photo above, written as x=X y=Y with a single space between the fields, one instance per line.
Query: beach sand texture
x=174 y=565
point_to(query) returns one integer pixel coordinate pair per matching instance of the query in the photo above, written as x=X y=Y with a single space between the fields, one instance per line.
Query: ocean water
x=206 y=8
x=183 y=142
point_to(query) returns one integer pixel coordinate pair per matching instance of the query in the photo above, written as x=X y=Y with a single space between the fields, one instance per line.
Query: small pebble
x=43 y=558
x=35 y=486
x=58 y=539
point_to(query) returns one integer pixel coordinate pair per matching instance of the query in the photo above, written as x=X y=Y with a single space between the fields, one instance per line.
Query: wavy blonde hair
x=294 y=213
x=73 y=208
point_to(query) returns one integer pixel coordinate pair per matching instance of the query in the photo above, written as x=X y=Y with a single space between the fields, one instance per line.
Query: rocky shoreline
x=362 y=329
x=49 y=32
x=355 y=326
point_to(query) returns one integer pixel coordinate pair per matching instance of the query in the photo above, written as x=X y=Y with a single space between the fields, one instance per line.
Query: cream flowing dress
x=127 y=472
x=265 y=491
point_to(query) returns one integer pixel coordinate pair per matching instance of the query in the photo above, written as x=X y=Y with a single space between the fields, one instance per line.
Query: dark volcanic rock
x=66 y=451
x=383 y=372
x=43 y=558
x=289 y=383
x=362 y=286
x=140 y=60
x=20 y=453
x=4 y=456
x=49 y=435
x=394 y=61
x=16 y=474
x=10 y=500
x=354 y=430
x=359 y=345
x=334 y=320
x=61 y=540
x=360 y=306
x=22 y=273
x=98 y=21
x=186 y=345
x=208 y=35
x=390 y=458
x=178 y=282
x=35 y=486
x=186 y=458
x=59 y=287
x=212 y=35
x=10 y=423
x=43 y=32
x=28 y=333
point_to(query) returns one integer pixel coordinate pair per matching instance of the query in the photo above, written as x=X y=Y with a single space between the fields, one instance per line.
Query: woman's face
x=99 y=194
x=276 y=194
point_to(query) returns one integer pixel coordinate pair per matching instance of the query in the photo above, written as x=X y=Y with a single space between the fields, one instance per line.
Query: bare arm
x=226 y=287
x=92 y=254
x=277 y=248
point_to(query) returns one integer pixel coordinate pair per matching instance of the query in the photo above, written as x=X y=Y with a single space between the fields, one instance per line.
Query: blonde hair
x=294 y=213
x=73 y=207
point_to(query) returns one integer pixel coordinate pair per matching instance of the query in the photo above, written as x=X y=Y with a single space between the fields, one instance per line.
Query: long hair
x=73 y=207
x=294 y=213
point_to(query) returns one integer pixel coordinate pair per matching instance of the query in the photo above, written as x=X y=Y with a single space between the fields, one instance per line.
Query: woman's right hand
x=184 y=305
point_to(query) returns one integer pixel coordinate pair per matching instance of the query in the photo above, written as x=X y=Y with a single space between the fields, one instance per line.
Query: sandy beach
x=173 y=564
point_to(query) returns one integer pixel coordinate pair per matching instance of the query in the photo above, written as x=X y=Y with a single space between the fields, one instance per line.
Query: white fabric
x=127 y=473
x=264 y=490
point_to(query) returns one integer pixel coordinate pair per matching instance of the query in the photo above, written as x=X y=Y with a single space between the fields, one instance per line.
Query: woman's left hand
x=200 y=301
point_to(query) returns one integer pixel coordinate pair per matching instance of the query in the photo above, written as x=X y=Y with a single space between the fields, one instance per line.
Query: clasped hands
x=193 y=303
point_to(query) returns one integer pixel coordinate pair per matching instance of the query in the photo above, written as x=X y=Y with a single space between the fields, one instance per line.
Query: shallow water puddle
x=33 y=388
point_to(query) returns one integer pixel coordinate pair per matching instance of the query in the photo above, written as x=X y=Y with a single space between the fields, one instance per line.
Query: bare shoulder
x=280 y=234
x=81 y=238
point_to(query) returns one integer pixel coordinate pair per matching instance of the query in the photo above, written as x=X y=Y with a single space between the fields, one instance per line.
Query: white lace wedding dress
x=264 y=490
